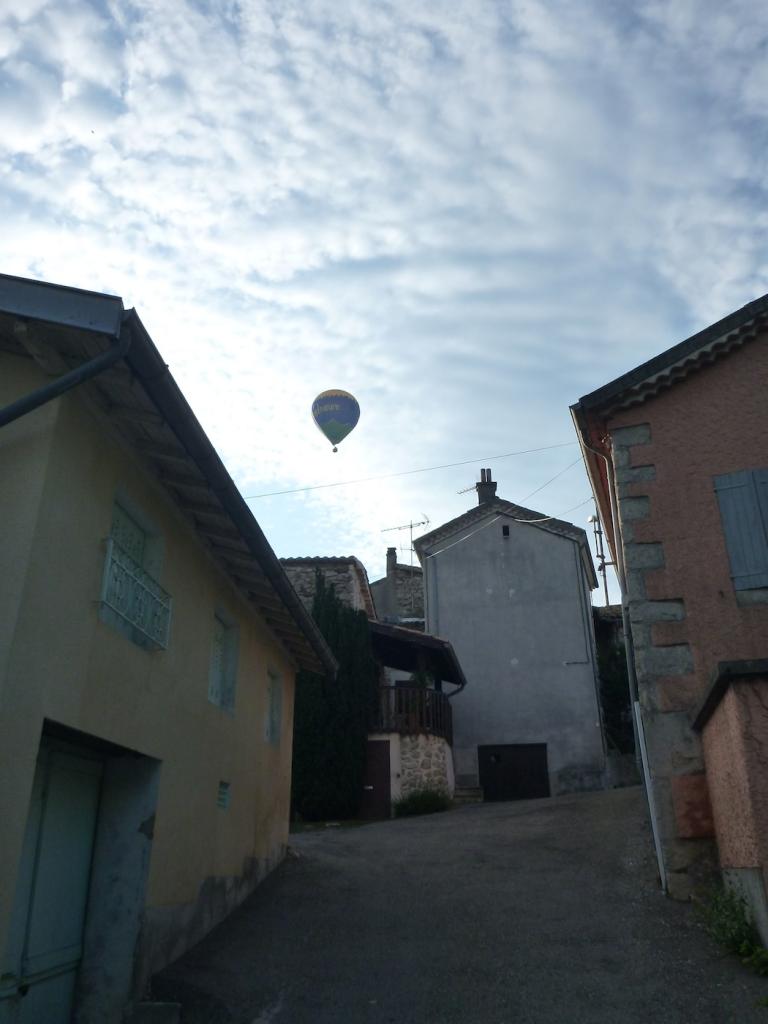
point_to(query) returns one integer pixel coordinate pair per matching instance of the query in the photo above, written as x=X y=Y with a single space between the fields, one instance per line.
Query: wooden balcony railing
x=414 y=709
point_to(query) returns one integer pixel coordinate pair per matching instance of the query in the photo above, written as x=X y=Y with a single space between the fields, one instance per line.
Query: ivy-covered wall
x=332 y=716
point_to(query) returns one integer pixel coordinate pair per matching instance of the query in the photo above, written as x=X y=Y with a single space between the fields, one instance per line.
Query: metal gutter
x=60 y=305
x=68 y=307
x=641 y=751
x=104 y=315
x=147 y=364
x=67 y=381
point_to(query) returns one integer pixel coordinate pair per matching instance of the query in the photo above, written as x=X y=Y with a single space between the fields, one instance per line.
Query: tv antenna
x=409 y=526
x=601 y=559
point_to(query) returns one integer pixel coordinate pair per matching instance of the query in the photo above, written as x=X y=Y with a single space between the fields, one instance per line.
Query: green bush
x=422 y=801
x=727 y=920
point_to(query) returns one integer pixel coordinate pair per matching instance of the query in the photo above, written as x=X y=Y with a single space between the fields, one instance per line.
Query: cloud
x=466 y=214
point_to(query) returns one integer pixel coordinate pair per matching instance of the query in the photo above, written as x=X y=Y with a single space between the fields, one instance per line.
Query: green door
x=39 y=969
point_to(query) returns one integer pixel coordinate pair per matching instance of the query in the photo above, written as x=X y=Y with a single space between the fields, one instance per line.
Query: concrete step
x=468 y=795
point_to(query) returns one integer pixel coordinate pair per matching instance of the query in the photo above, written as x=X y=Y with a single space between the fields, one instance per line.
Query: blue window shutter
x=741 y=496
x=760 y=477
x=232 y=652
x=217 y=663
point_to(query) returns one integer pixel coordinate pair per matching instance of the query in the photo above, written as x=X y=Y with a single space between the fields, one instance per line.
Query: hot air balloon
x=335 y=413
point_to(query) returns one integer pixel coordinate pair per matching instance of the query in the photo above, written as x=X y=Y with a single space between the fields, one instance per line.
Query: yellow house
x=149 y=641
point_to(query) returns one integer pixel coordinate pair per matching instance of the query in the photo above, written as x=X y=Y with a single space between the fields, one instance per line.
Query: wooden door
x=513 y=771
x=377 y=792
x=40 y=967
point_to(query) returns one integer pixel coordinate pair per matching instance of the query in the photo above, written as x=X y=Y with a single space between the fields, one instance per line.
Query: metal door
x=45 y=948
x=377 y=793
x=513 y=771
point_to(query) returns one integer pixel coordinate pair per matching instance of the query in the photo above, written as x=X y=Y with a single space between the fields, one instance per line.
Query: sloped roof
x=403 y=567
x=678 y=362
x=410 y=650
x=650 y=378
x=498 y=506
x=63 y=328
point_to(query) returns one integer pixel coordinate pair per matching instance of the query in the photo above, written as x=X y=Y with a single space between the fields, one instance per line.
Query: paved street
x=516 y=913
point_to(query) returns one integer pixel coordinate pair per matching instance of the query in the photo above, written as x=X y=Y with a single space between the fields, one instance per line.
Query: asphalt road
x=515 y=913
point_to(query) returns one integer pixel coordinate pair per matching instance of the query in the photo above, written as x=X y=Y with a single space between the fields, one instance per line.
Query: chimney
x=391 y=561
x=486 y=489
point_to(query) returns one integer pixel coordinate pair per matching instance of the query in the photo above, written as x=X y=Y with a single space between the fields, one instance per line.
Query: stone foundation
x=425 y=762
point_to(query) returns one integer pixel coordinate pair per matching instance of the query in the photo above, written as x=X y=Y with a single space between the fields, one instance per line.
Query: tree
x=614 y=688
x=332 y=716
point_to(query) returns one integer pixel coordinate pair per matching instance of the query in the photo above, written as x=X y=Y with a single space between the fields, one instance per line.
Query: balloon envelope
x=336 y=413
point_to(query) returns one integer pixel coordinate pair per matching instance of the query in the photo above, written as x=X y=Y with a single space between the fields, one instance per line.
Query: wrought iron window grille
x=135 y=597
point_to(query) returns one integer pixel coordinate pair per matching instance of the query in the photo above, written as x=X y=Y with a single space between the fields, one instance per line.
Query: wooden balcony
x=414 y=709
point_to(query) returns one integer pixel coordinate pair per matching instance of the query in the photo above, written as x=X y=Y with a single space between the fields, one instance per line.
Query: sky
x=468 y=213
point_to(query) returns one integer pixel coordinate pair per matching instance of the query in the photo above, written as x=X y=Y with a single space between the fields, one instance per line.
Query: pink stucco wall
x=735 y=740
x=713 y=422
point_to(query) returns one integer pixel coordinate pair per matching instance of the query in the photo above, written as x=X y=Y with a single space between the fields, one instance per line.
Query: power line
x=552 y=479
x=546 y=519
x=503 y=515
x=408 y=472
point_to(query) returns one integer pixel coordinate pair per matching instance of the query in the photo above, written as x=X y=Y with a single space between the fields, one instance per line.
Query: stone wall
x=343 y=575
x=399 y=596
x=425 y=763
x=409 y=588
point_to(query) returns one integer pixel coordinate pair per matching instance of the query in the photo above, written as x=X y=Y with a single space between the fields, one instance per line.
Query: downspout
x=67 y=381
x=641 y=757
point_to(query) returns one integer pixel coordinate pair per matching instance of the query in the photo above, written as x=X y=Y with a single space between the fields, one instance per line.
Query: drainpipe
x=641 y=757
x=67 y=381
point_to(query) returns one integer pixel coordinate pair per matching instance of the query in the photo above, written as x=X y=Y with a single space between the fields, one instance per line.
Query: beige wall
x=61 y=468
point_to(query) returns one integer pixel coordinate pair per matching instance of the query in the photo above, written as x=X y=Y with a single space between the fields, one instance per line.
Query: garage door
x=513 y=771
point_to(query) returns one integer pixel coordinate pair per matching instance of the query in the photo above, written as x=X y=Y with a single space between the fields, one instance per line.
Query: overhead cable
x=504 y=515
x=552 y=479
x=408 y=472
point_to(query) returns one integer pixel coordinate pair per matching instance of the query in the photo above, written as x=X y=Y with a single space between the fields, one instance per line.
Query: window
x=275 y=708
x=743 y=499
x=131 y=598
x=222 y=797
x=222 y=673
